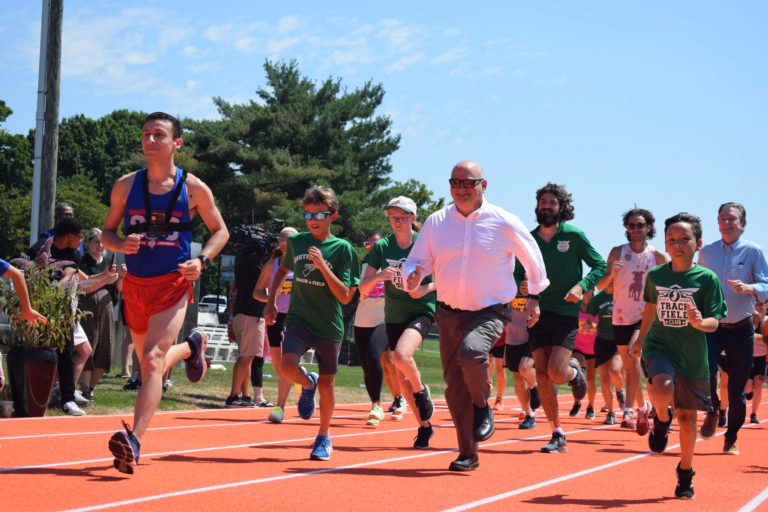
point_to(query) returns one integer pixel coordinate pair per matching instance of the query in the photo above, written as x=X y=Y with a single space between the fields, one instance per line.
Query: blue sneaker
x=322 y=448
x=307 y=397
x=125 y=448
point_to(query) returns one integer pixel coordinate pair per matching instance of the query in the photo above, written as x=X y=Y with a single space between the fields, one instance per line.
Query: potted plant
x=32 y=357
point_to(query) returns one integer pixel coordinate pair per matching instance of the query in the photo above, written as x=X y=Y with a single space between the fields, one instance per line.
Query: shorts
x=691 y=394
x=758 y=367
x=587 y=357
x=605 y=349
x=554 y=330
x=275 y=331
x=622 y=334
x=420 y=323
x=497 y=351
x=585 y=344
x=148 y=296
x=79 y=337
x=249 y=333
x=298 y=340
x=514 y=354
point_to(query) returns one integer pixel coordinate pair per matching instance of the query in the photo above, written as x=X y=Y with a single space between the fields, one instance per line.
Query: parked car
x=213 y=303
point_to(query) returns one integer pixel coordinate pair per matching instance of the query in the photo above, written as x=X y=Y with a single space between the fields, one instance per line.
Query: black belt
x=737 y=324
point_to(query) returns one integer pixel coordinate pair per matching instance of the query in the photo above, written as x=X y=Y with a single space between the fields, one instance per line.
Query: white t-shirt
x=628 y=286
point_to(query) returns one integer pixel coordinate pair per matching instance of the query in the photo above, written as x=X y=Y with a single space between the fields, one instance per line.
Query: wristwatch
x=205 y=261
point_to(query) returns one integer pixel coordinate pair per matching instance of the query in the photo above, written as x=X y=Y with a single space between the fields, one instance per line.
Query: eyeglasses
x=317 y=215
x=632 y=225
x=368 y=244
x=398 y=220
x=727 y=220
x=464 y=182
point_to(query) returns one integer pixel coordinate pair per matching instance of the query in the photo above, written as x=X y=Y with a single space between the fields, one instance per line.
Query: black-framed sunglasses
x=317 y=215
x=464 y=182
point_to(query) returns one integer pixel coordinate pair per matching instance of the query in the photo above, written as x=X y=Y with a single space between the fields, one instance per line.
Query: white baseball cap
x=404 y=203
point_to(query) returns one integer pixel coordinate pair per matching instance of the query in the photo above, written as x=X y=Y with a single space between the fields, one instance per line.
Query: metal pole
x=39 y=125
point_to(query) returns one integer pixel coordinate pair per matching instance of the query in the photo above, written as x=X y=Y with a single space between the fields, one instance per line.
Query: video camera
x=256 y=238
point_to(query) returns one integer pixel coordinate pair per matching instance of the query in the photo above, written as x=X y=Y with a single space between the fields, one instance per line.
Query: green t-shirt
x=399 y=306
x=563 y=257
x=313 y=305
x=601 y=306
x=670 y=334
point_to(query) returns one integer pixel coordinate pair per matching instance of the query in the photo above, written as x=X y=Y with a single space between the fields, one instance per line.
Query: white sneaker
x=400 y=408
x=72 y=409
x=80 y=399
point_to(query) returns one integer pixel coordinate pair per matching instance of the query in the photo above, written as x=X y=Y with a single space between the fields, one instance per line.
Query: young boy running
x=683 y=301
x=326 y=273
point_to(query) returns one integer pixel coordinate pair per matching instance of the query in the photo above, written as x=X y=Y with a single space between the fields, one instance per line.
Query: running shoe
x=395 y=403
x=730 y=447
x=528 y=423
x=535 y=400
x=132 y=385
x=610 y=419
x=604 y=408
x=709 y=426
x=424 y=403
x=233 y=401
x=322 y=448
x=621 y=399
x=628 y=420
x=498 y=405
x=81 y=399
x=195 y=364
x=375 y=415
x=72 y=409
x=578 y=384
x=555 y=445
x=575 y=409
x=722 y=418
x=753 y=418
x=642 y=419
x=590 y=412
x=125 y=448
x=659 y=434
x=306 y=403
x=684 y=487
x=247 y=402
x=424 y=434
x=276 y=416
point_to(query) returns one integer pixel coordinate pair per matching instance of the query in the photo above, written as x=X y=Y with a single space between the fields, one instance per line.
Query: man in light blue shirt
x=743 y=271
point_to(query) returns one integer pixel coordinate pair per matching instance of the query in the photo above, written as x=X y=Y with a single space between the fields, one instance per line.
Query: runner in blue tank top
x=155 y=207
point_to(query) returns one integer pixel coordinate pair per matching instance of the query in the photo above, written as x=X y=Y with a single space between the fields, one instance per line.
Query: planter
x=31 y=372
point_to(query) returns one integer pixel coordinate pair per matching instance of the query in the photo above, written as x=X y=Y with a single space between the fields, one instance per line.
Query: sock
x=559 y=430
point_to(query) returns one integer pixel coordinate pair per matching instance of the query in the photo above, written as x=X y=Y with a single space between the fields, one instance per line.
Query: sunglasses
x=398 y=220
x=317 y=215
x=464 y=182
x=632 y=225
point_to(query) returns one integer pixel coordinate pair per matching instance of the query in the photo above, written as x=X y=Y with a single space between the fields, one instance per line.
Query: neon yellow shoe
x=375 y=415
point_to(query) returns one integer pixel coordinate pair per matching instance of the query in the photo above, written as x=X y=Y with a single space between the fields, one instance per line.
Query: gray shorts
x=298 y=340
x=691 y=394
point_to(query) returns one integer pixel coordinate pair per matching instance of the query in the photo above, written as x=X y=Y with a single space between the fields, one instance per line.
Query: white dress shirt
x=473 y=258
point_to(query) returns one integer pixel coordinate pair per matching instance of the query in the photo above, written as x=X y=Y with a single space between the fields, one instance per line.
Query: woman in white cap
x=408 y=317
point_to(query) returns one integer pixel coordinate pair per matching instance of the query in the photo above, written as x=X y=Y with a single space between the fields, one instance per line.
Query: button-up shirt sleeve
x=527 y=251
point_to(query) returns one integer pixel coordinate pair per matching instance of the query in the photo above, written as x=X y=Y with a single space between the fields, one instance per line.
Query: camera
x=256 y=238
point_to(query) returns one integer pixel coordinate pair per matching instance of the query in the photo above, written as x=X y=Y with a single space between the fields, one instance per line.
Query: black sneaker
x=555 y=445
x=621 y=399
x=610 y=419
x=590 y=412
x=753 y=418
x=528 y=423
x=535 y=400
x=684 y=487
x=233 y=401
x=722 y=418
x=248 y=402
x=422 y=437
x=125 y=448
x=424 y=403
x=395 y=403
x=575 y=409
x=578 y=384
x=659 y=434
x=133 y=385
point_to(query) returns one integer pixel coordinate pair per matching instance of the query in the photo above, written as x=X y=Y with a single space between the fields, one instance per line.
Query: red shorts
x=147 y=296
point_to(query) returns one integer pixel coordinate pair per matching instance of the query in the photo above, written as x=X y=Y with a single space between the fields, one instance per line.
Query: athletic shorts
x=249 y=333
x=554 y=330
x=79 y=337
x=148 y=296
x=298 y=340
x=605 y=349
x=513 y=354
x=691 y=394
x=587 y=357
x=420 y=323
x=623 y=333
x=497 y=351
x=275 y=331
x=758 y=367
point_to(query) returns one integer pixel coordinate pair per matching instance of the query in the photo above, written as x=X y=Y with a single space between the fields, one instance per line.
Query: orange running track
x=227 y=459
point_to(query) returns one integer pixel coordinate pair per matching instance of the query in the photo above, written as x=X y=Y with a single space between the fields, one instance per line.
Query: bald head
x=467 y=169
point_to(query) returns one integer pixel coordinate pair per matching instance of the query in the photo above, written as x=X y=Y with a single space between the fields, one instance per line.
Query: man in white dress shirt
x=470 y=247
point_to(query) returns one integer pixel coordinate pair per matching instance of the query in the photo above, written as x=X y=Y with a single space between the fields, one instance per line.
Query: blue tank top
x=161 y=255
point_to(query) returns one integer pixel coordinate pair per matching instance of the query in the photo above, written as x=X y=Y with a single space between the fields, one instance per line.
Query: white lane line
x=755 y=502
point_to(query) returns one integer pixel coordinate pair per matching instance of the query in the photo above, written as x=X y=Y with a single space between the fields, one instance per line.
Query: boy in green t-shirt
x=683 y=301
x=326 y=274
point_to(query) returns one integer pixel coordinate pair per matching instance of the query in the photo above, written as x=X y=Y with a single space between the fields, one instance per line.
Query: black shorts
x=554 y=330
x=623 y=333
x=497 y=351
x=420 y=323
x=605 y=349
x=298 y=340
x=758 y=367
x=587 y=357
x=275 y=331
x=513 y=354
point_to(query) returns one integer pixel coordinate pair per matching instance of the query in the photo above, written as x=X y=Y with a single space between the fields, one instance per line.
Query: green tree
x=16 y=154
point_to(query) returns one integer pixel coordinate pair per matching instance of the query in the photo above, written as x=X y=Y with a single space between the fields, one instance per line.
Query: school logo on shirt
x=672 y=305
x=563 y=245
x=397 y=266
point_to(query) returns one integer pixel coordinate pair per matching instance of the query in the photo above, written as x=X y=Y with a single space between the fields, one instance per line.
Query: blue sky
x=659 y=104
